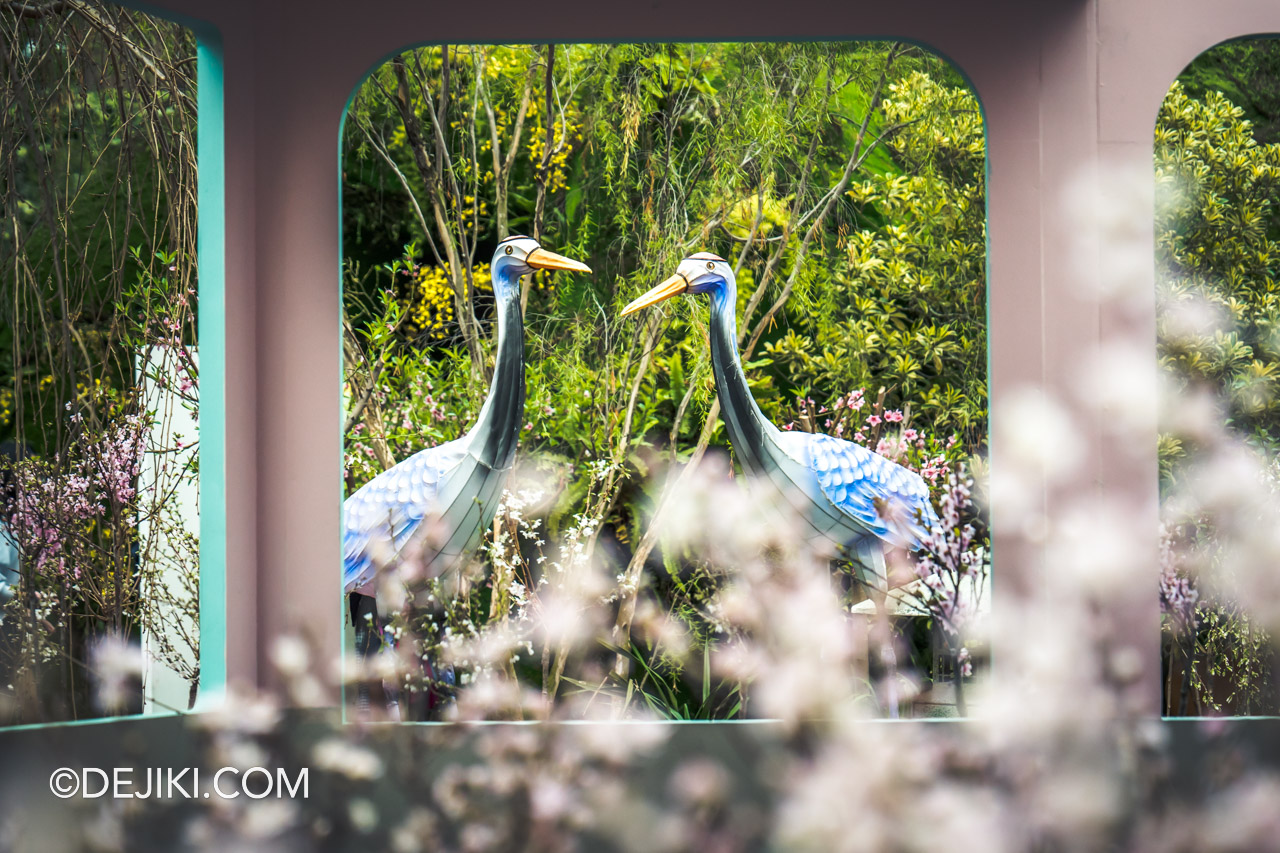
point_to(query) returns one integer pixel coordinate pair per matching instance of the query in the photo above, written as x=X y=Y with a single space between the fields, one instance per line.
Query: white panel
x=168 y=486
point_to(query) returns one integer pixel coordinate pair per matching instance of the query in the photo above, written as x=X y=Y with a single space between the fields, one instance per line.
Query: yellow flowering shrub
x=431 y=301
x=565 y=135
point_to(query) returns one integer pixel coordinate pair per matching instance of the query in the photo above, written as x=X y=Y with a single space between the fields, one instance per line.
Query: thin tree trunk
x=540 y=179
x=432 y=173
x=544 y=167
x=502 y=164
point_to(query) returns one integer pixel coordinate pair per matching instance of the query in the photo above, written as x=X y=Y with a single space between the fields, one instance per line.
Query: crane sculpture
x=441 y=500
x=853 y=502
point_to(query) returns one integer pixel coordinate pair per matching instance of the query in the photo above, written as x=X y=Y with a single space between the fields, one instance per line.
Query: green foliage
x=667 y=691
x=1217 y=250
x=96 y=159
x=905 y=307
x=846 y=181
x=1218 y=290
x=1237 y=675
x=1247 y=72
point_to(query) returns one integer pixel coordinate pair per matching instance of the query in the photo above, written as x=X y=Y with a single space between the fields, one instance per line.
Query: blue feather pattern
x=875 y=493
x=383 y=514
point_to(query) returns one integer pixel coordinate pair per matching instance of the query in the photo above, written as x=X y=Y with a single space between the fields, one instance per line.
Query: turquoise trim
x=211 y=257
x=88 y=721
x=338 y=568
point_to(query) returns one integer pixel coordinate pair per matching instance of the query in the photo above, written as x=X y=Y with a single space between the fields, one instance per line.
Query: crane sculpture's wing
x=878 y=495
x=385 y=513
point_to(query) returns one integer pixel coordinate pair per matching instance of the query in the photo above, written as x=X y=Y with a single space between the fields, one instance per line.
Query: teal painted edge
x=211 y=257
x=343 y=663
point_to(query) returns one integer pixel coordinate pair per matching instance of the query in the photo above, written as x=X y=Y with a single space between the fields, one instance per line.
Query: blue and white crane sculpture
x=853 y=502
x=441 y=500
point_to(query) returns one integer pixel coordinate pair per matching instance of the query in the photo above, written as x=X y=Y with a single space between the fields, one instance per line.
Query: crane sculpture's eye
x=710 y=265
x=509 y=250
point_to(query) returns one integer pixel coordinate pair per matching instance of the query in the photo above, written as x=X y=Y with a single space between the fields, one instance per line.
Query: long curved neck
x=494 y=436
x=747 y=426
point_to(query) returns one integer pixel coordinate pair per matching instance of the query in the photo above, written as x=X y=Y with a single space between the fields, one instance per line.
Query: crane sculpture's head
x=518 y=256
x=700 y=273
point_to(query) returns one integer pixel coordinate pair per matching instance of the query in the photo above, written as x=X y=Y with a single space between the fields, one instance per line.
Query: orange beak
x=544 y=260
x=673 y=286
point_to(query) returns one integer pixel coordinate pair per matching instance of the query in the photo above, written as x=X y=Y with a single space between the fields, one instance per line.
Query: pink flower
x=873 y=420
x=893 y=416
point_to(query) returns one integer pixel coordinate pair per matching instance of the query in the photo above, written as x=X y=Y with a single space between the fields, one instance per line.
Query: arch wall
x=1070 y=90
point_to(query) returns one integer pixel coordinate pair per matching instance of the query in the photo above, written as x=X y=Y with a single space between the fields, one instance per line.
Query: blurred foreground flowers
x=1063 y=750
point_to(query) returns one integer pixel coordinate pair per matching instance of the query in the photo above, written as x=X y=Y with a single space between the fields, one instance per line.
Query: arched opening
x=842 y=184
x=1217 y=165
